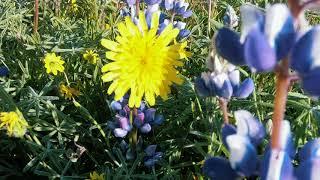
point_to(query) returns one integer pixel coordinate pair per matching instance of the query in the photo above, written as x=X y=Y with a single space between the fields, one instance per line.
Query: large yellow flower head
x=14 y=122
x=53 y=63
x=142 y=61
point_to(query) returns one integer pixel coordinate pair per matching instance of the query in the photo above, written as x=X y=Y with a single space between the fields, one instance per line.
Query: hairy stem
x=280 y=100
x=224 y=107
x=36 y=16
x=137 y=7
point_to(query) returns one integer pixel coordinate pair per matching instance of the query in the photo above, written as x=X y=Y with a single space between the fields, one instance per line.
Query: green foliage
x=69 y=139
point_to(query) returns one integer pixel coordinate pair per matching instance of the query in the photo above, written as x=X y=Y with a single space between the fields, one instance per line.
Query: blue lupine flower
x=230 y=18
x=152 y=157
x=241 y=143
x=152 y=2
x=224 y=83
x=4 y=71
x=144 y=119
x=310 y=150
x=309 y=156
x=276 y=164
x=219 y=168
x=248 y=125
x=305 y=59
x=121 y=127
x=178 y=7
x=265 y=39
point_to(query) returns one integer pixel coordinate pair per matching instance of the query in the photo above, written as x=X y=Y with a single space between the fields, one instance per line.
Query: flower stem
x=137 y=7
x=133 y=137
x=282 y=86
x=224 y=107
x=36 y=16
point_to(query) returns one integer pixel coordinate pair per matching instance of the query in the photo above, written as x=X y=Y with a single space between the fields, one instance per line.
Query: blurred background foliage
x=65 y=140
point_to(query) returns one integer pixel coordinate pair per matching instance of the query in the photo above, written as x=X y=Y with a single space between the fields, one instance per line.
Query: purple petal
x=150 y=162
x=248 y=125
x=201 y=88
x=310 y=150
x=310 y=82
x=146 y=128
x=124 y=123
x=180 y=25
x=286 y=141
x=119 y=132
x=305 y=53
x=279 y=29
x=219 y=168
x=245 y=89
x=229 y=47
x=137 y=122
x=187 y=14
x=158 y=120
x=115 y=106
x=258 y=53
x=150 y=150
x=152 y=2
x=276 y=165
x=251 y=16
x=4 y=71
x=227 y=130
x=309 y=170
x=168 y=4
x=223 y=85
x=184 y=33
x=149 y=114
x=131 y=2
x=243 y=155
x=234 y=77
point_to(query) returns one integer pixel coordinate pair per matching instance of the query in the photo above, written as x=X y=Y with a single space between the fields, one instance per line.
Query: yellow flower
x=14 y=122
x=96 y=176
x=53 y=63
x=142 y=61
x=74 y=6
x=91 y=56
x=68 y=92
x=107 y=27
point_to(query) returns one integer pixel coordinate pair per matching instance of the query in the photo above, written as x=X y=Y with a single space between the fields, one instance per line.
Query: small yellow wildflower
x=95 y=176
x=182 y=51
x=91 y=56
x=74 y=6
x=53 y=63
x=68 y=92
x=14 y=122
x=107 y=27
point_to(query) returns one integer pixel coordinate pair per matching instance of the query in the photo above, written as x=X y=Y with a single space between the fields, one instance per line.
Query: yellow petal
x=111 y=45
